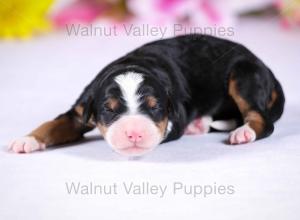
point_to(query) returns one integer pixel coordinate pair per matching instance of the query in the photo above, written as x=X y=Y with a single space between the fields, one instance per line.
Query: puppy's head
x=131 y=112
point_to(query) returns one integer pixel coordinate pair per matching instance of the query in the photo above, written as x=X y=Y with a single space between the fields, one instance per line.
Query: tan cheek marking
x=151 y=101
x=273 y=99
x=162 y=126
x=102 y=128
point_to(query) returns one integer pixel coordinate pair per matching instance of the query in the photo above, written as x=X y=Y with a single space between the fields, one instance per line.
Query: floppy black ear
x=87 y=110
x=177 y=115
x=177 y=111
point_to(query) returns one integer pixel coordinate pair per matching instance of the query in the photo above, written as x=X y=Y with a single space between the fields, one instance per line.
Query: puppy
x=188 y=84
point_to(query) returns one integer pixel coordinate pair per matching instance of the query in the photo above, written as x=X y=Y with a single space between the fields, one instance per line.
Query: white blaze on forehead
x=129 y=84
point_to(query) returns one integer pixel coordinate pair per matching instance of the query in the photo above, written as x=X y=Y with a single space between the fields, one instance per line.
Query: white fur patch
x=129 y=84
x=116 y=135
x=224 y=125
x=242 y=135
x=206 y=120
x=169 y=128
x=26 y=145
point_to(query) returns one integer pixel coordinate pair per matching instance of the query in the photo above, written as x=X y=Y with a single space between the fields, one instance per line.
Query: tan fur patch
x=255 y=120
x=112 y=103
x=102 y=128
x=58 y=131
x=162 y=126
x=79 y=110
x=241 y=103
x=151 y=101
x=273 y=99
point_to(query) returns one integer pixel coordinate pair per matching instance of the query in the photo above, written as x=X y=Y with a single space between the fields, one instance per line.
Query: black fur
x=189 y=75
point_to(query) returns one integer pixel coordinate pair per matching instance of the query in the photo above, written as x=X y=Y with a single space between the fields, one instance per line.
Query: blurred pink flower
x=81 y=11
x=192 y=12
x=289 y=11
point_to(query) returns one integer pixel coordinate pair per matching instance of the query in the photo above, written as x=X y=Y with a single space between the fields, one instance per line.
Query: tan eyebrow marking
x=112 y=103
x=151 y=101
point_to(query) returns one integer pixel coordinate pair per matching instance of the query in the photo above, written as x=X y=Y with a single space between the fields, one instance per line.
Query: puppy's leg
x=66 y=128
x=250 y=86
x=199 y=126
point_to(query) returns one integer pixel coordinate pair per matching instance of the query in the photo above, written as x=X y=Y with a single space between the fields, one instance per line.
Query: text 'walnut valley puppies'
x=188 y=84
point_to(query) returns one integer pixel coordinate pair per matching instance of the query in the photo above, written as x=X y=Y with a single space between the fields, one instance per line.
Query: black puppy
x=165 y=88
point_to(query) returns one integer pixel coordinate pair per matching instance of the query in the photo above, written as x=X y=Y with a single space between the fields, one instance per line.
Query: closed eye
x=108 y=109
x=111 y=105
x=155 y=109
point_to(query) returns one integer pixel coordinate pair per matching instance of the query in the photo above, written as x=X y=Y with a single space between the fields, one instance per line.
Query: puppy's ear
x=177 y=114
x=87 y=110
x=176 y=110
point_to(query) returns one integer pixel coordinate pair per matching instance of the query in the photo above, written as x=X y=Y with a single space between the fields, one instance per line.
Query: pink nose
x=134 y=137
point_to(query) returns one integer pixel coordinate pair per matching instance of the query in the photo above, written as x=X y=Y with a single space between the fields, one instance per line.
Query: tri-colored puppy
x=163 y=89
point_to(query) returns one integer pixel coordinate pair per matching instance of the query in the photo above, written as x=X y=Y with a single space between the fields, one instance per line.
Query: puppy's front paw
x=242 y=135
x=26 y=145
x=199 y=126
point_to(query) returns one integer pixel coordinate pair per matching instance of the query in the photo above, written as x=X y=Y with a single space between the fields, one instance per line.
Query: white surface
x=42 y=78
